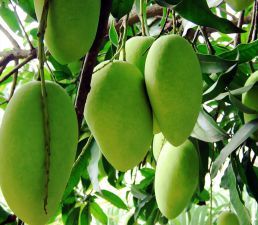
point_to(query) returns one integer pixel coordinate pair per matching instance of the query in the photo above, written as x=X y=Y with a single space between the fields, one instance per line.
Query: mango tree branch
x=41 y=58
x=90 y=60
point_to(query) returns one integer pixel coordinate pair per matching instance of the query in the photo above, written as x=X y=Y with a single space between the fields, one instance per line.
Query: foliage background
x=221 y=136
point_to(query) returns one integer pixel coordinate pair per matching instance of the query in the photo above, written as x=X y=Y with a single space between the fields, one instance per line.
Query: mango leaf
x=113 y=199
x=121 y=7
x=240 y=209
x=28 y=7
x=10 y=19
x=207 y=130
x=245 y=52
x=220 y=85
x=113 y=36
x=167 y=3
x=251 y=177
x=98 y=213
x=79 y=167
x=214 y=64
x=237 y=91
x=243 y=108
x=241 y=135
x=85 y=217
x=73 y=217
x=199 y=13
x=93 y=167
x=3 y=215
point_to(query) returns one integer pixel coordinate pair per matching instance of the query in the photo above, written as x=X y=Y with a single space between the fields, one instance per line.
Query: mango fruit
x=228 y=218
x=158 y=143
x=136 y=49
x=176 y=178
x=22 y=151
x=118 y=114
x=250 y=99
x=239 y=5
x=174 y=84
x=71 y=27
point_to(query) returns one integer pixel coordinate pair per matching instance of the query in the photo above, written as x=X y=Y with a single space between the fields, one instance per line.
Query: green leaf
x=206 y=129
x=93 y=166
x=10 y=19
x=244 y=52
x=73 y=217
x=243 y=108
x=214 y=64
x=240 y=209
x=79 y=167
x=220 y=85
x=98 y=213
x=28 y=7
x=3 y=215
x=85 y=217
x=113 y=36
x=199 y=13
x=121 y=7
x=113 y=199
x=242 y=134
x=237 y=91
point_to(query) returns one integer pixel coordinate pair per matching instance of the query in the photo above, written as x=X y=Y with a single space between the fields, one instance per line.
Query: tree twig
x=90 y=60
x=253 y=31
x=32 y=56
x=207 y=41
x=239 y=24
x=22 y=27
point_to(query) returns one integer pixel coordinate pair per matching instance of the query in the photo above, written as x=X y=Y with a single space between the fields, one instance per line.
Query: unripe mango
x=228 y=218
x=174 y=85
x=250 y=99
x=71 y=27
x=239 y=5
x=136 y=49
x=176 y=178
x=22 y=151
x=118 y=114
x=158 y=143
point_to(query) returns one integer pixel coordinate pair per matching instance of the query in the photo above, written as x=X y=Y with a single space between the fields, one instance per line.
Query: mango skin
x=136 y=49
x=176 y=178
x=250 y=99
x=71 y=27
x=228 y=218
x=118 y=114
x=22 y=152
x=158 y=143
x=239 y=5
x=174 y=84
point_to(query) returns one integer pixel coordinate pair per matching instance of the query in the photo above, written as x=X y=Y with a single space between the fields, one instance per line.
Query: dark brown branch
x=253 y=31
x=32 y=56
x=239 y=24
x=90 y=60
x=207 y=41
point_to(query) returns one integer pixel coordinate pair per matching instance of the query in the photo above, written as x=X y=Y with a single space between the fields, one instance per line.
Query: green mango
x=250 y=99
x=176 y=178
x=228 y=218
x=22 y=151
x=118 y=114
x=239 y=5
x=71 y=27
x=158 y=143
x=136 y=49
x=174 y=84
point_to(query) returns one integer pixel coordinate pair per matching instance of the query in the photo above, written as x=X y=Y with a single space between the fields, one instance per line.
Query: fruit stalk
x=142 y=2
x=41 y=56
x=90 y=60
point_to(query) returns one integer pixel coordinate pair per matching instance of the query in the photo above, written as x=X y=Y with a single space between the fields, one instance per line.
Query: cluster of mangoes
x=162 y=82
